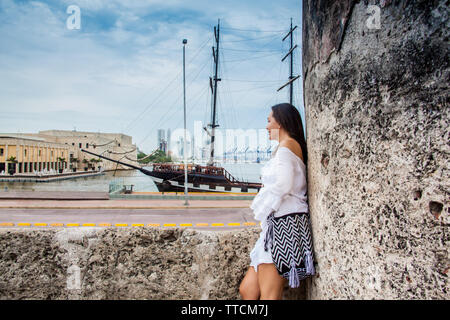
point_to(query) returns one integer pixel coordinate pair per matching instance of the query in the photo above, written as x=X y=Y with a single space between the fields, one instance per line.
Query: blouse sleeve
x=284 y=167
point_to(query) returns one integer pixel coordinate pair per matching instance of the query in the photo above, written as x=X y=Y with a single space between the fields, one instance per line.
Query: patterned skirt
x=289 y=239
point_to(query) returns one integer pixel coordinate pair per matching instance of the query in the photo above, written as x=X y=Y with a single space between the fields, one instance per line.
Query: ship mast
x=213 y=85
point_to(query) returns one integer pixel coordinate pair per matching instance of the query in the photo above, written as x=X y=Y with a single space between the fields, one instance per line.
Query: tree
x=72 y=161
x=85 y=161
x=158 y=156
x=12 y=167
x=93 y=161
x=62 y=161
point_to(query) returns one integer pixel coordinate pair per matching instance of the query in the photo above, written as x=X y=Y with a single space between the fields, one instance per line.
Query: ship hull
x=171 y=177
x=169 y=182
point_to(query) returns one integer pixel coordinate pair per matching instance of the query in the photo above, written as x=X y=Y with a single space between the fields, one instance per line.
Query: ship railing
x=229 y=177
x=116 y=185
x=211 y=170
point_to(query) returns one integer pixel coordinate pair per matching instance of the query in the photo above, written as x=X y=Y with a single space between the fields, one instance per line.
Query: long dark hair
x=290 y=120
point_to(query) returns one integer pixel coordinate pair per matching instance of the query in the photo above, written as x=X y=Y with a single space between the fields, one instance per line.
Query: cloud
x=122 y=70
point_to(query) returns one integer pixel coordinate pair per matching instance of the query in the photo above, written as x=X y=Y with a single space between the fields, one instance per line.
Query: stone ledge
x=125 y=263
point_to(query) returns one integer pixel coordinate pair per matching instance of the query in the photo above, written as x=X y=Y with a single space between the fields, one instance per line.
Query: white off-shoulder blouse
x=284 y=186
x=284 y=191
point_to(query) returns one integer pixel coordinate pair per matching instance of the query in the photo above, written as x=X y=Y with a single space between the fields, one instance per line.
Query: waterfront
x=142 y=183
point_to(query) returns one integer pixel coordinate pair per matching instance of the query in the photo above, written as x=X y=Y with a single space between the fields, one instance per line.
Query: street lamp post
x=184 y=148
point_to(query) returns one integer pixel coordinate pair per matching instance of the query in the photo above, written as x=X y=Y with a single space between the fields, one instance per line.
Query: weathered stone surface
x=377 y=121
x=32 y=266
x=125 y=263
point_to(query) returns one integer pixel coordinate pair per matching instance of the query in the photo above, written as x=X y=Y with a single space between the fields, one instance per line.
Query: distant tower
x=161 y=138
x=193 y=148
x=168 y=140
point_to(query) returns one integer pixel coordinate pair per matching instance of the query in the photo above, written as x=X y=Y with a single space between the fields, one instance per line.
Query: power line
x=252 y=89
x=251 y=50
x=247 y=30
x=253 y=58
x=160 y=122
x=251 y=39
x=166 y=87
x=263 y=46
x=242 y=80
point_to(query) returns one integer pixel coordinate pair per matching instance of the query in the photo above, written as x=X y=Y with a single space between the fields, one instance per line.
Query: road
x=204 y=218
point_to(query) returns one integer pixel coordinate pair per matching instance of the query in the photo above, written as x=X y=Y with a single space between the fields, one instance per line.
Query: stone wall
x=377 y=121
x=125 y=263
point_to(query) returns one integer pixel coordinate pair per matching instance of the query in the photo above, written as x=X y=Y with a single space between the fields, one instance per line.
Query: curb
x=71 y=225
x=150 y=207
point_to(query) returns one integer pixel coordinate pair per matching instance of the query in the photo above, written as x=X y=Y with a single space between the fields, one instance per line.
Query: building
x=162 y=142
x=61 y=149
x=169 y=151
x=21 y=154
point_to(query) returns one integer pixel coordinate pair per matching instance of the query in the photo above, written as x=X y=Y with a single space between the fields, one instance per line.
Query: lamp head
x=184 y=41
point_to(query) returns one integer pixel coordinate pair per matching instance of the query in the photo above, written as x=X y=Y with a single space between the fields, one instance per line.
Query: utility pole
x=184 y=148
x=292 y=78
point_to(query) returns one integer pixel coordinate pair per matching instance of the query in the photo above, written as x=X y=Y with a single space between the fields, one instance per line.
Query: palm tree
x=96 y=160
x=72 y=161
x=12 y=167
x=85 y=161
x=62 y=161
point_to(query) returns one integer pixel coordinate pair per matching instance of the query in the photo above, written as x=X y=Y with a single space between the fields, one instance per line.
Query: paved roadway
x=204 y=214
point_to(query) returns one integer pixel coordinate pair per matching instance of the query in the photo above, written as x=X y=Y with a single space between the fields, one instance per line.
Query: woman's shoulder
x=293 y=146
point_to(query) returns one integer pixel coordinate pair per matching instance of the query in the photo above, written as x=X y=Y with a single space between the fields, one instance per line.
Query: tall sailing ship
x=200 y=178
x=209 y=178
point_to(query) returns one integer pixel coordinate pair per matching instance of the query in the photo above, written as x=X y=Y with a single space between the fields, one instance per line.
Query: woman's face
x=273 y=127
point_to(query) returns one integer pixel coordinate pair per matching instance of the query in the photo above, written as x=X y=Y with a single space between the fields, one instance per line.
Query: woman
x=283 y=196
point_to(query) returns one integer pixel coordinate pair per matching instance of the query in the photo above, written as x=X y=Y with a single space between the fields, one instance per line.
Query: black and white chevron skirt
x=290 y=241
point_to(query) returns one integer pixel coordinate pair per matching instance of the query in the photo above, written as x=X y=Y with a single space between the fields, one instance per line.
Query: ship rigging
x=209 y=177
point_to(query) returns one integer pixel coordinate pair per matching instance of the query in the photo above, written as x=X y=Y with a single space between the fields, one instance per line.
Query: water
x=249 y=172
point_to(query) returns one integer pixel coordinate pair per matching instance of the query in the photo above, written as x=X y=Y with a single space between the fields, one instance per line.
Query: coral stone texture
x=376 y=76
x=125 y=263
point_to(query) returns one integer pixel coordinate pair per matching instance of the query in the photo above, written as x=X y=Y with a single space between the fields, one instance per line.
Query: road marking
x=201 y=224
x=40 y=224
x=153 y=225
x=217 y=224
x=104 y=224
x=170 y=224
x=72 y=225
x=123 y=207
x=6 y=224
x=57 y=224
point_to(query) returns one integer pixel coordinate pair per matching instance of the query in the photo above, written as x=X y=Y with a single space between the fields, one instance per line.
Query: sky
x=117 y=67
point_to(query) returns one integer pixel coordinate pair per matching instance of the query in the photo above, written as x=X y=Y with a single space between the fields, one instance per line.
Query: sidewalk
x=122 y=204
x=50 y=195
